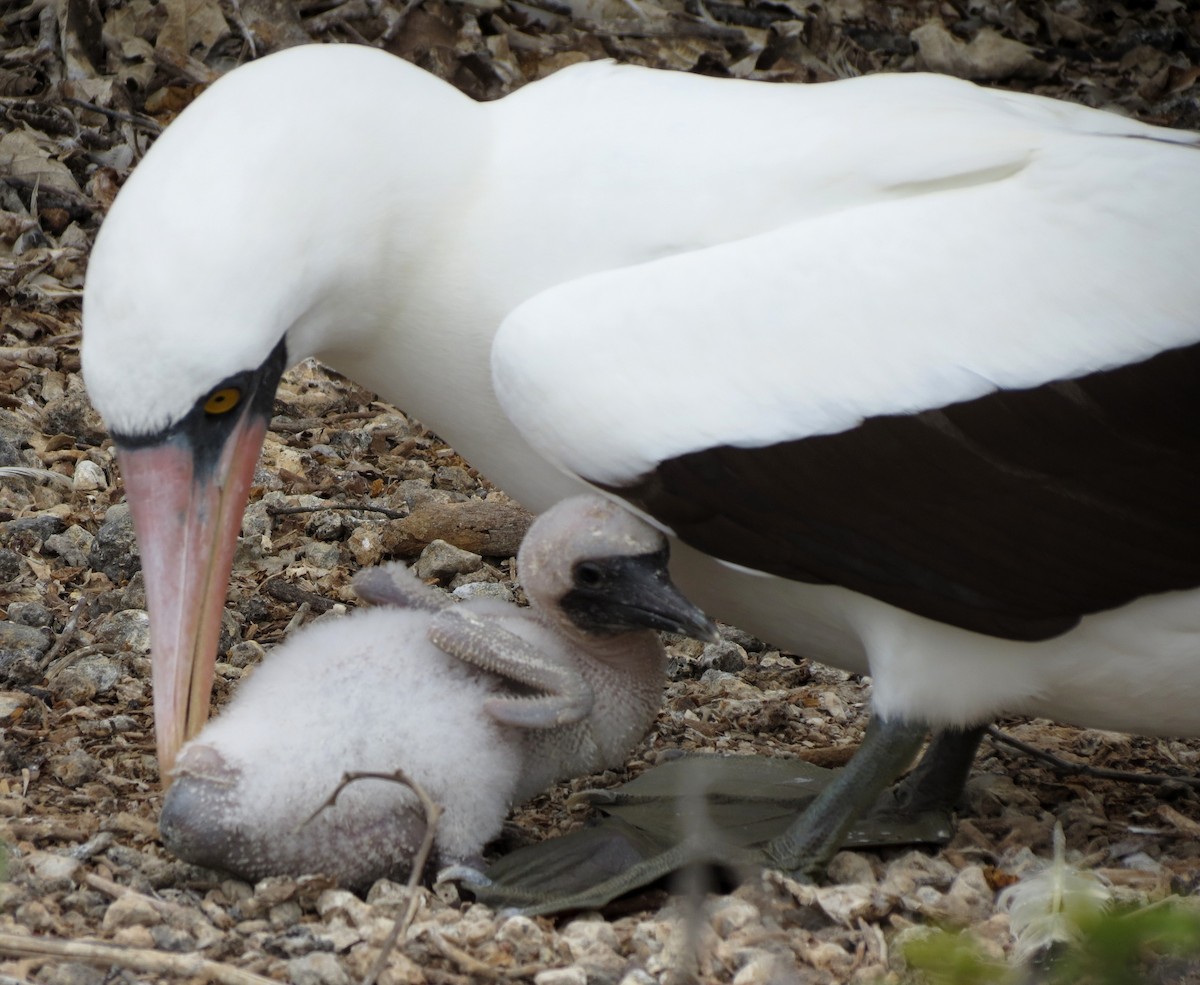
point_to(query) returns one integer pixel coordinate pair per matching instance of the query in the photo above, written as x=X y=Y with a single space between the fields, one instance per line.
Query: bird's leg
x=484 y=643
x=938 y=780
x=396 y=585
x=811 y=840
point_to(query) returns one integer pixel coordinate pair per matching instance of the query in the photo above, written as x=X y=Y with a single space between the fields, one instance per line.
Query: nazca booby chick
x=482 y=703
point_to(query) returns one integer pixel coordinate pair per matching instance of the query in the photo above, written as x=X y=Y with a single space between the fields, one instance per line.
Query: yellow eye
x=222 y=401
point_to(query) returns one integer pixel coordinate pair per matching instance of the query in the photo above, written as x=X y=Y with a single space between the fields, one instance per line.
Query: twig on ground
x=433 y=813
x=64 y=637
x=476 y=969
x=350 y=507
x=1086 y=769
x=134 y=958
x=147 y=123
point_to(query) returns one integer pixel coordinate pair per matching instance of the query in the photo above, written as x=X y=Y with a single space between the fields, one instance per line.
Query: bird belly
x=1133 y=669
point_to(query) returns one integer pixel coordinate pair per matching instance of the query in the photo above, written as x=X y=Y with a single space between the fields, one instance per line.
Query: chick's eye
x=588 y=575
x=222 y=401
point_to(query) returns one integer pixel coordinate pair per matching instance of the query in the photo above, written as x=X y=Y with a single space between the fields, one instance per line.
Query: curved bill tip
x=187 y=515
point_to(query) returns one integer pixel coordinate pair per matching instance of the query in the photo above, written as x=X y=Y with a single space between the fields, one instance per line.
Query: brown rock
x=482 y=526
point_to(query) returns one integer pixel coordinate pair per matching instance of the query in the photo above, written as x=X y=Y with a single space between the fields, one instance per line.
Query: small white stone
x=969 y=900
x=441 y=561
x=846 y=904
x=131 y=910
x=522 y=934
x=318 y=968
x=48 y=867
x=590 y=931
x=88 y=476
x=766 y=969
x=593 y=945
x=574 y=975
x=828 y=956
x=340 y=902
x=729 y=913
x=484 y=590
x=851 y=867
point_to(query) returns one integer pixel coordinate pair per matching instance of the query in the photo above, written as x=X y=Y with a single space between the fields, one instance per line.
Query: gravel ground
x=83 y=90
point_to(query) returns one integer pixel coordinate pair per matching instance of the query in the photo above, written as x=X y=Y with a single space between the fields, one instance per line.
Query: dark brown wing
x=1012 y=515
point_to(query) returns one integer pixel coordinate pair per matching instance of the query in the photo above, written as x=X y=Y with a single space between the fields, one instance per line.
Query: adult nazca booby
x=913 y=361
x=483 y=704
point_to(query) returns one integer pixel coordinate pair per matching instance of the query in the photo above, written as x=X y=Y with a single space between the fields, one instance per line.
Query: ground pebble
x=85 y=679
x=593 y=945
x=573 y=975
x=129 y=629
x=115 y=550
x=442 y=561
x=849 y=903
x=326 y=525
x=318 y=968
x=75 y=768
x=89 y=476
x=916 y=869
x=454 y=478
x=51 y=871
x=21 y=649
x=335 y=902
x=73 y=415
x=322 y=554
x=11 y=565
x=766 y=968
x=484 y=590
x=524 y=936
x=850 y=867
x=74 y=973
x=29 y=614
x=172 y=939
x=131 y=910
x=24 y=533
x=73 y=545
x=729 y=914
x=366 y=543
x=969 y=900
x=828 y=956
x=136 y=936
x=35 y=916
x=245 y=654
x=14 y=704
x=724 y=655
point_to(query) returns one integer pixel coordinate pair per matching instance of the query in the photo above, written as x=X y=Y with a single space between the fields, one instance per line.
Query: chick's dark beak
x=634 y=592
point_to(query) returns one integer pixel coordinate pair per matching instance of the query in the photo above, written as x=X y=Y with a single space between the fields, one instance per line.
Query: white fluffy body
x=366 y=691
x=370 y=691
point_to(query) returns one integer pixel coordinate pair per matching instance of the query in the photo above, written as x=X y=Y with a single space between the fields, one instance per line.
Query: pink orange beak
x=187 y=522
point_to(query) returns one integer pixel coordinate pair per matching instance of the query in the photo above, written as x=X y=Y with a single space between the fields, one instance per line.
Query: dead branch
x=134 y=958
x=1085 y=769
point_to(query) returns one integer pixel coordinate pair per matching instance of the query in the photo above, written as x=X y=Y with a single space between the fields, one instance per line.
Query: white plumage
x=669 y=266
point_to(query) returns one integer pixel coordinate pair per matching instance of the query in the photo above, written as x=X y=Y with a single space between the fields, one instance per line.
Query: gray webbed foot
x=814 y=837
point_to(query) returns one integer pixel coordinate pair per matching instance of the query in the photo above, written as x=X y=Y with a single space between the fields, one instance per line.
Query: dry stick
x=147 y=123
x=433 y=813
x=476 y=969
x=65 y=637
x=289 y=510
x=1085 y=769
x=134 y=958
